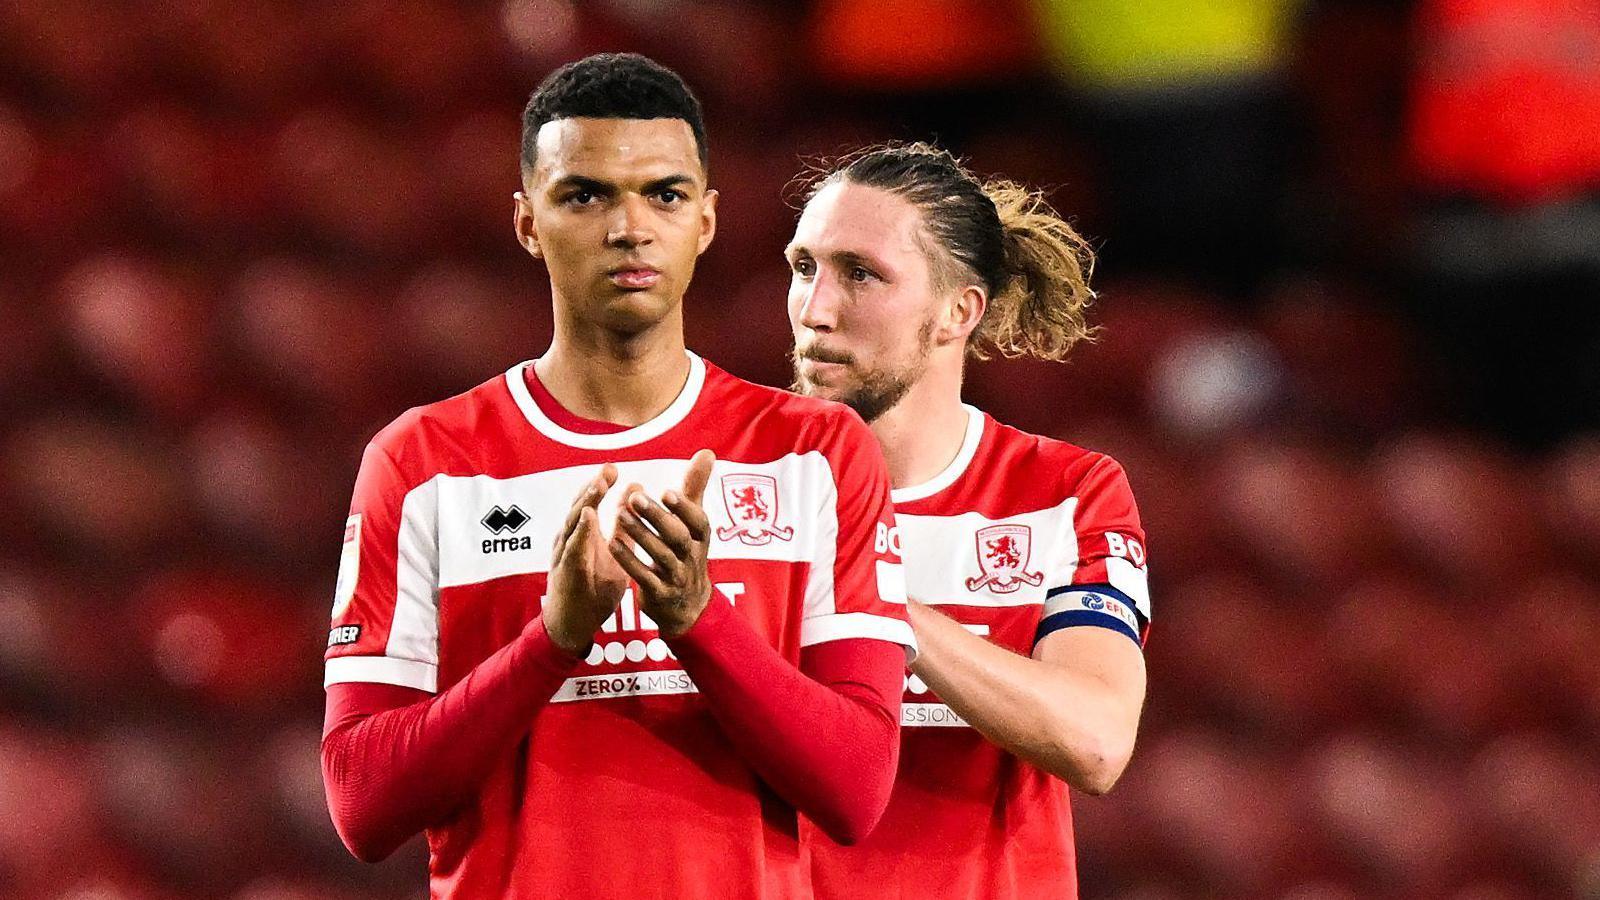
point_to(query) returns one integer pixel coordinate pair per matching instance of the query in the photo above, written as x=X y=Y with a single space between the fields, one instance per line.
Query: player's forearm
x=830 y=750
x=1073 y=724
x=393 y=772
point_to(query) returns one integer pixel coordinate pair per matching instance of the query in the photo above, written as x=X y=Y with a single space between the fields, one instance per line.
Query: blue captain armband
x=1090 y=604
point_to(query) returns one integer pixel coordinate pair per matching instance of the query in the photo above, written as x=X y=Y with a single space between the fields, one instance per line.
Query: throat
x=596 y=394
x=920 y=443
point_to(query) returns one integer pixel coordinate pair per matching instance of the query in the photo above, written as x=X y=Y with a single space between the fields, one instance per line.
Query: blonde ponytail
x=1039 y=310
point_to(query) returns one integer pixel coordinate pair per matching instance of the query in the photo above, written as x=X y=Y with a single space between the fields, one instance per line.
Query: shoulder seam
x=1104 y=460
x=386 y=454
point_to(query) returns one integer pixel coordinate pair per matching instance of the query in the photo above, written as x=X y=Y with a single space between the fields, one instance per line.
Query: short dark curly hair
x=610 y=86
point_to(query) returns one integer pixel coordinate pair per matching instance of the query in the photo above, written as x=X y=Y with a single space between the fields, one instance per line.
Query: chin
x=637 y=310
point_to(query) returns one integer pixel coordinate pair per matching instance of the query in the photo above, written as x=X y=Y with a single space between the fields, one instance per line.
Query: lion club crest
x=752 y=503
x=1003 y=556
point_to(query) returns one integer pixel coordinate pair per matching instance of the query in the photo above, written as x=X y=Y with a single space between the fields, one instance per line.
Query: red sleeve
x=828 y=743
x=396 y=761
x=1108 y=583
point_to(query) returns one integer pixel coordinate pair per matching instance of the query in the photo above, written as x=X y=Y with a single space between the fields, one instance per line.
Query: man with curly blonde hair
x=1025 y=560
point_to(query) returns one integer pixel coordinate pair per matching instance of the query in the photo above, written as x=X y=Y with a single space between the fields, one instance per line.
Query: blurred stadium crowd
x=1351 y=259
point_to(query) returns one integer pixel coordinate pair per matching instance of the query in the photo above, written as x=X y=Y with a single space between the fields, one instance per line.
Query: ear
x=527 y=229
x=962 y=314
x=708 y=221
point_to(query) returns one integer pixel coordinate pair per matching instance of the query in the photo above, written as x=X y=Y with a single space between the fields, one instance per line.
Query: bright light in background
x=1212 y=383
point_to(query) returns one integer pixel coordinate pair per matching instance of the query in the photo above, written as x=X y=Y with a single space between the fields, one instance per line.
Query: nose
x=630 y=223
x=816 y=304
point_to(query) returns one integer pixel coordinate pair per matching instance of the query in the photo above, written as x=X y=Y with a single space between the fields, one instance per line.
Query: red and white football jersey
x=1019 y=537
x=625 y=787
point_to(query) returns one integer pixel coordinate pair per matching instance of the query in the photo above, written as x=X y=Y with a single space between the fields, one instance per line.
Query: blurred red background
x=1351 y=360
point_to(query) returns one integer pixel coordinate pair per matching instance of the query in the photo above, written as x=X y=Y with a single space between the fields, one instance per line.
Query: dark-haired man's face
x=619 y=211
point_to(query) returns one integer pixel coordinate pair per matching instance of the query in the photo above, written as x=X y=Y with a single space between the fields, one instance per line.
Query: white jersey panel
x=796 y=495
x=972 y=560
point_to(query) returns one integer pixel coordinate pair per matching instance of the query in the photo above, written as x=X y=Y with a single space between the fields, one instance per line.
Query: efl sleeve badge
x=344 y=590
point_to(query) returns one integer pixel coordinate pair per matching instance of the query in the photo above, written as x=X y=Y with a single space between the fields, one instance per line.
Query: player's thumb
x=699 y=474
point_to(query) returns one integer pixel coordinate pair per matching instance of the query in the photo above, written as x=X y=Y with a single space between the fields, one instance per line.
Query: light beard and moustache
x=879 y=389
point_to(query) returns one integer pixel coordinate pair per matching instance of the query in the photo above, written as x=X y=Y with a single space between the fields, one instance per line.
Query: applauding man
x=604 y=624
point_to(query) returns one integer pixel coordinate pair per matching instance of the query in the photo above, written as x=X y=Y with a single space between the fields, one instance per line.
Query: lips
x=822 y=357
x=636 y=278
x=823 y=369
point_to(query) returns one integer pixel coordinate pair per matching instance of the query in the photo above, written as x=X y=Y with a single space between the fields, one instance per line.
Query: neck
x=627 y=378
x=922 y=434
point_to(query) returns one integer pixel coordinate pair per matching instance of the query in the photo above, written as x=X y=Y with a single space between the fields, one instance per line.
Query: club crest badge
x=752 y=504
x=1003 y=552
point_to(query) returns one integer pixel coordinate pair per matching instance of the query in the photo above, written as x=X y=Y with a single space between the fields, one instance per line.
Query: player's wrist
x=678 y=627
x=708 y=613
x=681 y=617
x=537 y=637
x=568 y=638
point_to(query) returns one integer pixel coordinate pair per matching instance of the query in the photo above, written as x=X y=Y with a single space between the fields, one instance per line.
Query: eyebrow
x=580 y=182
x=596 y=186
x=671 y=181
x=847 y=258
x=841 y=258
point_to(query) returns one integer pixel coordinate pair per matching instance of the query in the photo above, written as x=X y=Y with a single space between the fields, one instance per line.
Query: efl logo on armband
x=1111 y=607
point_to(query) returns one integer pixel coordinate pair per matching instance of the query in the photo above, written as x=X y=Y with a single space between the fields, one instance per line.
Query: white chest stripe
x=798 y=503
x=943 y=564
x=463 y=530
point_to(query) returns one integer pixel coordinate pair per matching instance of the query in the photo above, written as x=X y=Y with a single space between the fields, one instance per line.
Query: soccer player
x=1025 y=560
x=493 y=678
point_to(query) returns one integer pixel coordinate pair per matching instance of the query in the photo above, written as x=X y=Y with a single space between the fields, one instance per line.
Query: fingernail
x=670 y=496
x=640 y=503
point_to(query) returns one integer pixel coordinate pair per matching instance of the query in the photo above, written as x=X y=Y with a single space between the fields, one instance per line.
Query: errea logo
x=498 y=520
x=510 y=521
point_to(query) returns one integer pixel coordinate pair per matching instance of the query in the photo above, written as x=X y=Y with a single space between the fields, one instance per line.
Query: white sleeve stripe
x=414 y=631
x=819 y=596
x=383 y=670
x=891 y=582
x=843 y=626
x=1131 y=580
